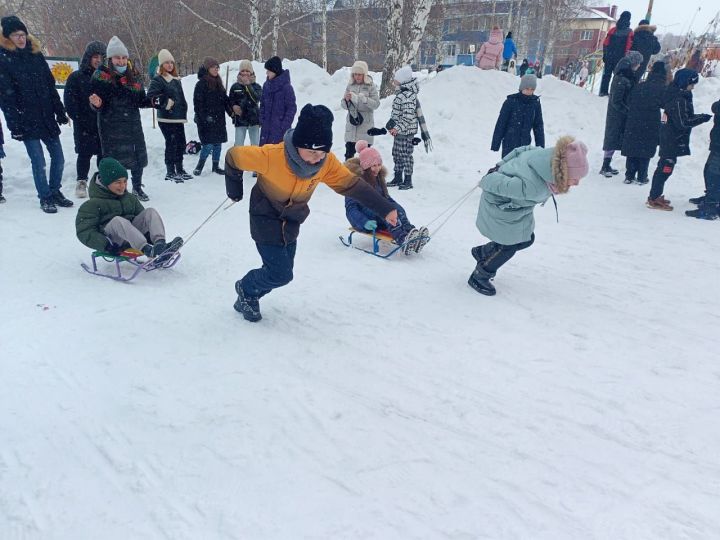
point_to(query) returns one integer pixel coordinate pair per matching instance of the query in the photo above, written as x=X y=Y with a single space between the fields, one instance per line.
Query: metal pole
x=648 y=15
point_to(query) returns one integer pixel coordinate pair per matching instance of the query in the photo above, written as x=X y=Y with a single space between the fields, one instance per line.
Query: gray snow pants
x=147 y=224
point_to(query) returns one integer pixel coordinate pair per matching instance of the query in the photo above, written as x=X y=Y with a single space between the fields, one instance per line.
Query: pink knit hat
x=577 y=163
x=368 y=156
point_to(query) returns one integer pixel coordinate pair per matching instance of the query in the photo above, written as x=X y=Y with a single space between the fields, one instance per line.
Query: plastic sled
x=379 y=238
x=130 y=257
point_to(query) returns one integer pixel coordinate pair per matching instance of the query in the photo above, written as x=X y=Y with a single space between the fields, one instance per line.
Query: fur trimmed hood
x=646 y=28
x=353 y=165
x=562 y=179
x=8 y=45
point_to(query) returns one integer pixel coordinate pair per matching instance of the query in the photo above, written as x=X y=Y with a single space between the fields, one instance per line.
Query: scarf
x=424 y=133
x=298 y=165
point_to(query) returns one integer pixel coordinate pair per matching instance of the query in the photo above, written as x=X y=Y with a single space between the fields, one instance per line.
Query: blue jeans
x=276 y=271
x=712 y=178
x=253 y=131
x=214 y=148
x=39 y=169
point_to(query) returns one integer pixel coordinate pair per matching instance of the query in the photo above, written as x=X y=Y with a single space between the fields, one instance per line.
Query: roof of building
x=593 y=13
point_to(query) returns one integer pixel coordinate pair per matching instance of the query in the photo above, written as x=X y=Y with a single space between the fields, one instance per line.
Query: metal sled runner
x=130 y=256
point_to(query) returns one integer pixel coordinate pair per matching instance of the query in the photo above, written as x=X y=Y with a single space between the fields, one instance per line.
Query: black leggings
x=174 y=133
x=494 y=255
x=637 y=166
x=83 y=165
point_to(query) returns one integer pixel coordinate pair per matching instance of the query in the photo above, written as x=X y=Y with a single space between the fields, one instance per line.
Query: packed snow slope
x=376 y=399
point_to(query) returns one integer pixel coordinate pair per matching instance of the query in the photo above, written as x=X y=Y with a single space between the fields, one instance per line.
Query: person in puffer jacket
x=368 y=166
x=526 y=177
x=361 y=98
x=490 y=53
x=245 y=102
x=403 y=126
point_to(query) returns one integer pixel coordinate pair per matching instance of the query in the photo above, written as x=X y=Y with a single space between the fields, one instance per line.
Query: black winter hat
x=643 y=22
x=274 y=65
x=314 y=128
x=624 y=20
x=11 y=24
x=659 y=67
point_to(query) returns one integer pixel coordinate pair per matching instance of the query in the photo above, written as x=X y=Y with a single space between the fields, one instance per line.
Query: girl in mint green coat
x=527 y=176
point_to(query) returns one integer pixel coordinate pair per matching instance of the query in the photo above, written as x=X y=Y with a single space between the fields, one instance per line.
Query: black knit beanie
x=314 y=128
x=659 y=67
x=274 y=65
x=12 y=24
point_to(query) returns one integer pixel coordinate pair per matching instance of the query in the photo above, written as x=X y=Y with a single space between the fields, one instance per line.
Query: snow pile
x=377 y=399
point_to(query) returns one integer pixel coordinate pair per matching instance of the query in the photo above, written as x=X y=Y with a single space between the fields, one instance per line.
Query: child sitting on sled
x=369 y=166
x=526 y=177
x=113 y=218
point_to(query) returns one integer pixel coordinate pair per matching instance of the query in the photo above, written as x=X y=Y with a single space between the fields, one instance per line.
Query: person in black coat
x=709 y=204
x=617 y=109
x=520 y=114
x=167 y=96
x=646 y=43
x=32 y=108
x=616 y=45
x=77 y=104
x=118 y=97
x=642 y=128
x=2 y=156
x=675 y=133
x=244 y=98
x=211 y=105
x=523 y=67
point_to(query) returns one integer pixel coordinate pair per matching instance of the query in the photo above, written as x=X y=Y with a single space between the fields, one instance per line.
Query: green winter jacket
x=95 y=213
x=510 y=194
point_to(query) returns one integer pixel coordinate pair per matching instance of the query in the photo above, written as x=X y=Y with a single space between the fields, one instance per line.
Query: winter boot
x=171 y=174
x=407 y=184
x=2 y=199
x=181 y=172
x=477 y=254
x=248 y=306
x=199 y=168
x=628 y=180
x=697 y=200
x=48 y=206
x=81 y=188
x=423 y=239
x=606 y=170
x=409 y=244
x=216 y=168
x=705 y=211
x=642 y=181
x=139 y=193
x=60 y=200
x=166 y=251
x=396 y=181
x=480 y=281
x=658 y=204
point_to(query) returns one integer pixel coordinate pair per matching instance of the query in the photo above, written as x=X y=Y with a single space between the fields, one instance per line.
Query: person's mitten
x=376 y=131
x=233 y=182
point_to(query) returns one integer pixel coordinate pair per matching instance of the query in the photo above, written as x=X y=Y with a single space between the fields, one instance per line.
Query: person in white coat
x=360 y=100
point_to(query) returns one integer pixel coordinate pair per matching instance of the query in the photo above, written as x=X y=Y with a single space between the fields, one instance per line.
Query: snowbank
x=377 y=399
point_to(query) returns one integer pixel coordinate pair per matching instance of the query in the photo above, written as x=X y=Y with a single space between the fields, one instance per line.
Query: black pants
x=83 y=165
x=350 y=150
x=136 y=177
x=494 y=255
x=637 y=166
x=276 y=271
x=607 y=75
x=174 y=134
x=665 y=168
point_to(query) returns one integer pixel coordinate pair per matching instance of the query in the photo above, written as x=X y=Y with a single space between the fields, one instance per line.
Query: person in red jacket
x=616 y=45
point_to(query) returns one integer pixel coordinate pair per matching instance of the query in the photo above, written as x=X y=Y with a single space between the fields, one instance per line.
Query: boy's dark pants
x=665 y=168
x=494 y=255
x=712 y=178
x=276 y=271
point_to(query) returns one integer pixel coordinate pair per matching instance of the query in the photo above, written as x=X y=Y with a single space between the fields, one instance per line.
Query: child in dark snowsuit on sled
x=113 y=218
x=368 y=166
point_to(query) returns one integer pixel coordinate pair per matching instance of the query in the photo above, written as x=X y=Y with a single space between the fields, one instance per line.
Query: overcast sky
x=670 y=15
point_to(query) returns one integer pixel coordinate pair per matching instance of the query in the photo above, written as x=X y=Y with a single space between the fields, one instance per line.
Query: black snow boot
x=707 y=211
x=607 y=171
x=396 y=181
x=248 y=306
x=199 y=168
x=480 y=281
x=217 y=169
x=407 y=184
x=48 y=206
x=60 y=200
x=697 y=200
x=2 y=199
x=181 y=172
x=139 y=193
x=171 y=174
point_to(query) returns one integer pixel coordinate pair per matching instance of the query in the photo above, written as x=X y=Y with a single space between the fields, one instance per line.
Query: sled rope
x=454 y=207
x=212 y=215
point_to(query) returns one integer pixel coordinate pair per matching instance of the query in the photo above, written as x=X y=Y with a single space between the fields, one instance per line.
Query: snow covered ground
x=377 y=399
